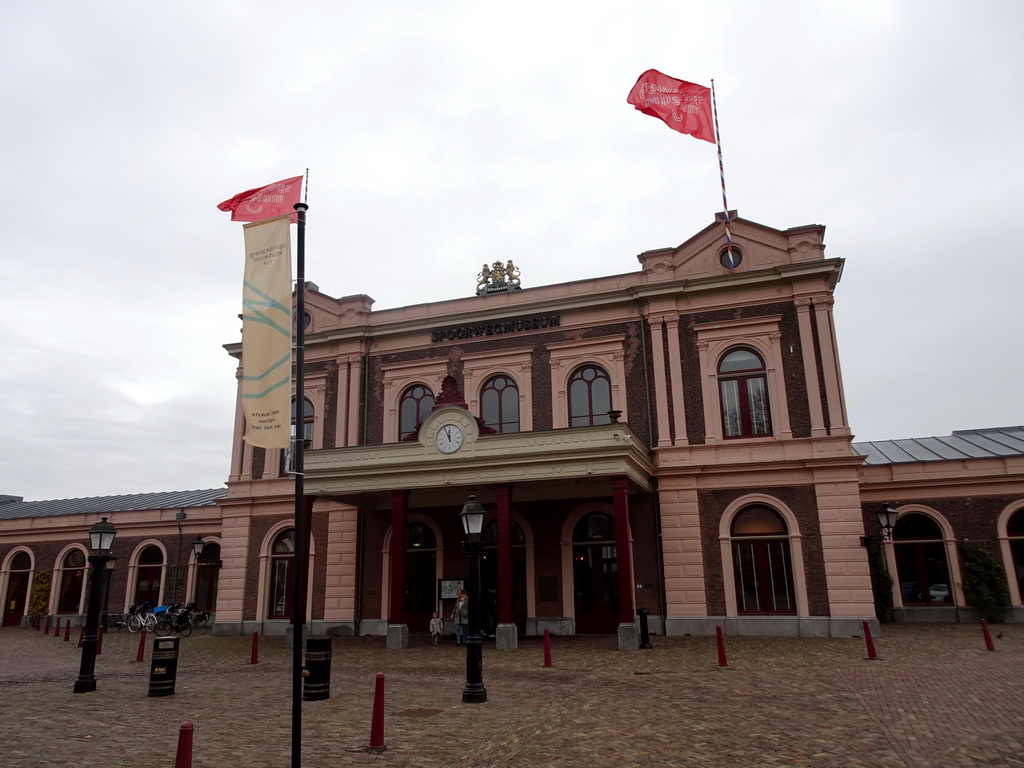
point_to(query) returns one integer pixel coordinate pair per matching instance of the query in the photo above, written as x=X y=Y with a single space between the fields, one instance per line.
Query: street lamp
x=887 y=519
x=472 y=524
x=101 y=539
x=198 y=546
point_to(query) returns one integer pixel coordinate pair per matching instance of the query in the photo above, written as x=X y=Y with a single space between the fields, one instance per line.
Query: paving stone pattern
x=935 y=698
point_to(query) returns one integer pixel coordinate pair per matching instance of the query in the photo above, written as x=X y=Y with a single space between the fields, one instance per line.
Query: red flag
x=266 y=202
x=683 y=106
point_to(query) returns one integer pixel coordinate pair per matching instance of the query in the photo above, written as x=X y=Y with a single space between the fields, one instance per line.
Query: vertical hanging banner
x=267 y=334
x=682 y=106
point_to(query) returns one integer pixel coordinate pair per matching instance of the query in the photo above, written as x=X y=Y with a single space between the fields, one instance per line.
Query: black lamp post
x=101 y=539
x=472 y=524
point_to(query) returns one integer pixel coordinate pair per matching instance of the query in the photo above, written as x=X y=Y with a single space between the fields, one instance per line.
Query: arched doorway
x=282 y=573
x=207 y=569
x=17 y=589
x=72 y=582
x=921 y=562
x=595 y=575
x=489 y=572
x=762 y=562
x=420 y=576
x=1015 y=534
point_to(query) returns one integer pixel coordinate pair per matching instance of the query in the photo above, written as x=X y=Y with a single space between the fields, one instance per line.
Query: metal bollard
x=163 y=670
x=316 y=673
x=645 y=635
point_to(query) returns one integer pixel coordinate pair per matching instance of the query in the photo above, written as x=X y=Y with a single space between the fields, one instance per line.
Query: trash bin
x=163 y=669
x=316 y=674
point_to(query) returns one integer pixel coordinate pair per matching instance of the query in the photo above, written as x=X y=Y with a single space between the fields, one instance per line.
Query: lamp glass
x=101 y=535
x=472 y=517
x=198 y=546
x=887 y=516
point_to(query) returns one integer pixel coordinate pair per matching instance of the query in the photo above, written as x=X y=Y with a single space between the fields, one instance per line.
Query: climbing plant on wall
x=39 y=602
x=985 y=586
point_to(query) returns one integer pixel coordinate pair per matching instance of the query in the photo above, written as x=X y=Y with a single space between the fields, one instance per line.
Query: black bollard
x=645 y=635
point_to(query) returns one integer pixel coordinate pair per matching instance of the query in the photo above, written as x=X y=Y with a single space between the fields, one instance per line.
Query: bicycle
x=177 y=620
x=200 y=619
x=140 y=616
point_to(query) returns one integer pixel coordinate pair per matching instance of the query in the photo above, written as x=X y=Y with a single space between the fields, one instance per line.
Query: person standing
x=460 y=614
x=436 y=628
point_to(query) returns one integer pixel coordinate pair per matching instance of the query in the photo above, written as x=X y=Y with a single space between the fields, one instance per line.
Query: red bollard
x=56 y=630
x=99 y=642
x=721 y=648
x=377 y=725
x=183 y=759
x=872 y=656
x=547 y=647
x=140 y=655
x=47 y=630
x=988 y=635
x=67 y=630
x=254 y=657
x=81 y=635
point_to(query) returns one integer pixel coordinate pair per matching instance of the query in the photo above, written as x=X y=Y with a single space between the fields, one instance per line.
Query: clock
x=448 y=438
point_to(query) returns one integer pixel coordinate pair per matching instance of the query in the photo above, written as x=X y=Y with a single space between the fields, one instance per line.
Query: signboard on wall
x=446 y=588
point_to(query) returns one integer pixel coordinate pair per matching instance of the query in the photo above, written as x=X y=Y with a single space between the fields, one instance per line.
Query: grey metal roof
x=962 y=444
x=100 y=504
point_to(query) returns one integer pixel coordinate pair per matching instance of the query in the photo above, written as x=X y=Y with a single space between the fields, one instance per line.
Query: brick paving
x=936 y=698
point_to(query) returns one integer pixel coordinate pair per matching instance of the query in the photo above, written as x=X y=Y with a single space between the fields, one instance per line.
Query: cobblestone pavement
x=935 y=698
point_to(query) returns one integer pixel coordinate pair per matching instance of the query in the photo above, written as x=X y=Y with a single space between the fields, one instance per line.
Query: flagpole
x=721 y=173
x=298 y=445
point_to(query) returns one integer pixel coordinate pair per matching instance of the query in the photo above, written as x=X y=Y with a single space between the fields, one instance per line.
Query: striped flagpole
x=721 y=173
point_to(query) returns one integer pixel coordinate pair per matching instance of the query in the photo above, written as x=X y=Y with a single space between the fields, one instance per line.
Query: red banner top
x=682 y=106
x=266 y=202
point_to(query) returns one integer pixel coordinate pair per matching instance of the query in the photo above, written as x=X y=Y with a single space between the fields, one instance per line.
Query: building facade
x=672 y=440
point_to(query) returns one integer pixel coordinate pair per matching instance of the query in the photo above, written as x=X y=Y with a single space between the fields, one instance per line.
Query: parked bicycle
x=140 y=616
x=176 y=620
x=200 y=618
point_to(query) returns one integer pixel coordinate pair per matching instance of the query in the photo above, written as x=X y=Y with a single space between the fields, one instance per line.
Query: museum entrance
x=595 y=575
x=489 y=577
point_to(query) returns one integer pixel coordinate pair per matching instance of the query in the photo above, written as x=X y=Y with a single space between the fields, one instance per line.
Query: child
x=436 y=627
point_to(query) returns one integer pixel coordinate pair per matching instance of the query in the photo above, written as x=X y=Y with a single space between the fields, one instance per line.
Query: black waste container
x=316 y=674
x=163 y=670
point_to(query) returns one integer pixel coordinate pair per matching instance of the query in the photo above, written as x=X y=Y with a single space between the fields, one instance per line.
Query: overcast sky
x=443 y=135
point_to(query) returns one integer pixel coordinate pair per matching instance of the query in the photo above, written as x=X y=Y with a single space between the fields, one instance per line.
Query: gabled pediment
x=758 y=246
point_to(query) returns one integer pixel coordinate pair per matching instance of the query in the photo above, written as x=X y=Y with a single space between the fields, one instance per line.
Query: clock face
x=448 y=439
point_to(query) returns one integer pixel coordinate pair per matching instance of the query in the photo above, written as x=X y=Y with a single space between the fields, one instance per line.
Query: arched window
x=499 y=404
x=1015 y=533
x=308 y=420
x=595 y=574
x=17 y=589
x=921 y=561
x=147 y=575
x=762 y=563
x=72 y=580
x=590 y=397
x=413 y=408
x=743 y=387
x=282 y=572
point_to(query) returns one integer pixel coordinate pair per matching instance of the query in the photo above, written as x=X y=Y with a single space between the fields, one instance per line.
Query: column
x=660 y=388
x=676 y=381
x=629 y=633
x=803 y=316
x=398 y=631
x=507 y=634
x=830 y=363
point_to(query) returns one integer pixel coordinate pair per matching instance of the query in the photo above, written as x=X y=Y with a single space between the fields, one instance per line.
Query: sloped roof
x=962 y=444
x=100 y=504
